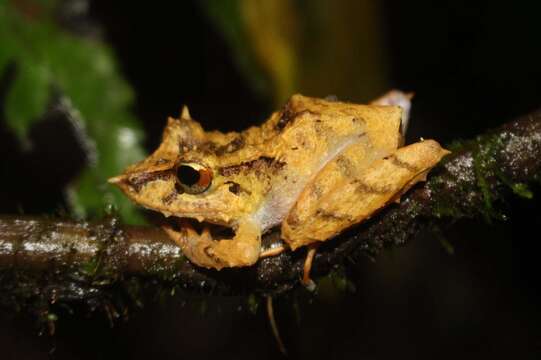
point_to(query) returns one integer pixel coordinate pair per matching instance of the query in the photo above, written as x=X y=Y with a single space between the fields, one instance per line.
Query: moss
x=334 y=286
x=522 y=190
x=445 y=206
x=438 y=234
x=446 y=209
x=473 y=183
x=90 y=268
x=252 y=302
x=518 y=188
x=456 y=145
x=485 y=162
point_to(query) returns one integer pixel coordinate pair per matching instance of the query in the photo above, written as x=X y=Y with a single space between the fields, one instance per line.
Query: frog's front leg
x=242 y=250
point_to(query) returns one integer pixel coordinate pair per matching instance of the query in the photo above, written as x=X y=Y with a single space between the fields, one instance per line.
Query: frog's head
x=185 y=178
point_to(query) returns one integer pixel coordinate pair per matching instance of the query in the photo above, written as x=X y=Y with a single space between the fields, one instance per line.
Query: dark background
x=472 y=65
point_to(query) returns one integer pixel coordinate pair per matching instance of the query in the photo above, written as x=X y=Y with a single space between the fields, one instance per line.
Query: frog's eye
x=194 y=178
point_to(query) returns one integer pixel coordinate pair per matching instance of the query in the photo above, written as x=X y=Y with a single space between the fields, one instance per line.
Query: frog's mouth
x=270 y=239
x=200 y=228
x=218 y=246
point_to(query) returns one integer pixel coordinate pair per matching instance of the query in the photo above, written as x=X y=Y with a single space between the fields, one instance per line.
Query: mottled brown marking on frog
x=162 y=161
x=137 y=182
x=317 y=191
x=235 y=188
x=371 y=189
x=346 y=166
x=403 y=164
x=212 y=148
x=321 y=129
x=235 y=145
x=259 y=166
x=293 y=221
x=289 y=115
x=326 y=215
x=168 y=199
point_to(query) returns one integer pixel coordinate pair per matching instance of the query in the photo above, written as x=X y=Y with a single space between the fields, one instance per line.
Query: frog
x=313 y=169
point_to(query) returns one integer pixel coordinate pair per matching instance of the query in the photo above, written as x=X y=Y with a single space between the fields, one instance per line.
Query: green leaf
x=97 y=99
x=522 y=190
x=284 y=46
x=27 y=98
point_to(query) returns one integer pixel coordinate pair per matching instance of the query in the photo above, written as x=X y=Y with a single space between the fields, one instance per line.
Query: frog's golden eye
x=194 y=178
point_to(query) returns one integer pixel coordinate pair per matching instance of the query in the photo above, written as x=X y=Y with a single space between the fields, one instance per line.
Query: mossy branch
x=47 y=261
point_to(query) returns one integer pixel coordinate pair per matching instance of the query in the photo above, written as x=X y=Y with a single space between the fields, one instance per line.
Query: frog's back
x=309 y=133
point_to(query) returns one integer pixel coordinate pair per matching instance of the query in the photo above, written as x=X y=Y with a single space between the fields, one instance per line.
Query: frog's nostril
x=116 y=180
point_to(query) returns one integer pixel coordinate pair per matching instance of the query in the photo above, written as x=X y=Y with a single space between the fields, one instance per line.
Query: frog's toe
x=306 y=280
x=197 y=248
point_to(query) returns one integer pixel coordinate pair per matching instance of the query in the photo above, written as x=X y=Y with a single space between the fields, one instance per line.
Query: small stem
x=274 y=326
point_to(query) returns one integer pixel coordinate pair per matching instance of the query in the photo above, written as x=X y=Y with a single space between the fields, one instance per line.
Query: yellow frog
x=315 y=168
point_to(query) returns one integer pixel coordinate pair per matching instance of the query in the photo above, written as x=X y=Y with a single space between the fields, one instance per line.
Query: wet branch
x=47 y=261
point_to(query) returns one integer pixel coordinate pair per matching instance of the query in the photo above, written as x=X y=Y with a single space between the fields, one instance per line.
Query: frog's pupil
x=187 y=175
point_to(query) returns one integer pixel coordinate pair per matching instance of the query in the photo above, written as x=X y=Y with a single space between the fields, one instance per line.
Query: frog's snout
x=116 y=179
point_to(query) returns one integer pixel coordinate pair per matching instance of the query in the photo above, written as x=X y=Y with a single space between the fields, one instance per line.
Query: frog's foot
x=397 y=98
x=241 y=250
x=273 y=251
x=306 y=280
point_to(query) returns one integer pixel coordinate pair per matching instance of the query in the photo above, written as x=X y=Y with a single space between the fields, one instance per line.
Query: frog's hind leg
x=242 y=250
x=344 y=194
x=273 y=251
x=306 y=280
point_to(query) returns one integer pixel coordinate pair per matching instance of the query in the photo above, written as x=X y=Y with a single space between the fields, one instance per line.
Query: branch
x=103 y=264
